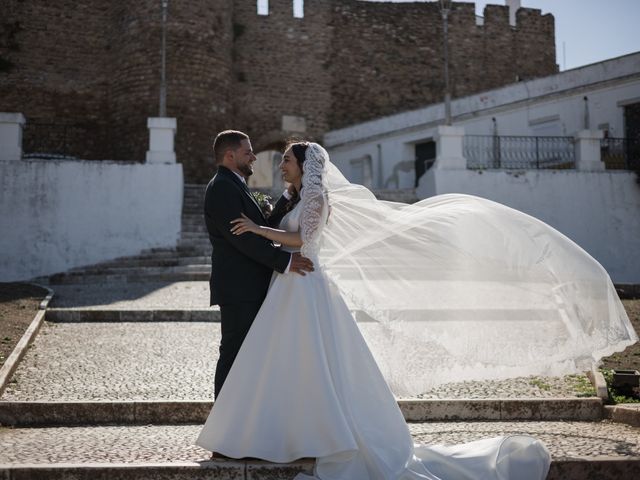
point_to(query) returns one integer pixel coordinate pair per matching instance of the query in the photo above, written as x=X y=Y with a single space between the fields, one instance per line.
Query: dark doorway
x=632 y=135
x=425 y=156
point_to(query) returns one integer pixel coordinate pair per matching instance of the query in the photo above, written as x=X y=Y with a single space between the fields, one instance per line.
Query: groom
x=241 y=265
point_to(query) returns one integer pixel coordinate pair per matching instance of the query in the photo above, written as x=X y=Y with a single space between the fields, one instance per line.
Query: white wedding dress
x=452 y=286
x=304 y=384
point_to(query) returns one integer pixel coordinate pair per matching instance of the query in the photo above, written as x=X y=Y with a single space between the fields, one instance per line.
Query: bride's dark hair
x=299 y=150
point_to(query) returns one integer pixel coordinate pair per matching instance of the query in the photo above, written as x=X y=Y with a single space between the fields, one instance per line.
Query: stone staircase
x=189 y=261
x=124 y=399
x=119 y=381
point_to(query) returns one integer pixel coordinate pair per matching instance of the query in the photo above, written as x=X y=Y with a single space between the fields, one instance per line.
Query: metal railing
x=515 y=152
x=620 y=153
x=63 y=141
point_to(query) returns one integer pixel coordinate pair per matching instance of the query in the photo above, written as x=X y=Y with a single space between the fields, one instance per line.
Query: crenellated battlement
x=342 y=62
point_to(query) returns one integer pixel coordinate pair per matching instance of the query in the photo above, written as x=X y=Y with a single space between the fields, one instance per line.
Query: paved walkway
x=160 y=443
x=133 y=296
x=176 y=361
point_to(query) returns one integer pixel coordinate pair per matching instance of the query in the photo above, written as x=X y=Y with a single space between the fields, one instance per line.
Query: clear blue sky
x=590 y=30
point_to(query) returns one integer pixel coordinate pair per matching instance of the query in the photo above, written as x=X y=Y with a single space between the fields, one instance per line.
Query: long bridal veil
x=457 y=287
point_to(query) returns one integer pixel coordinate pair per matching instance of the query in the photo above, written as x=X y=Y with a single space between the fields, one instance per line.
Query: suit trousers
x=236 y=320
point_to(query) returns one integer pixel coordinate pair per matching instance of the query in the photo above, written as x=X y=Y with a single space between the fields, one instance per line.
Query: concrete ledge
x=222 y=470
x=582 y=409
x=628 y=413
x=599 y=383
x=91 y=315
x=601 y=468
x=32 y=414
x=20 y=349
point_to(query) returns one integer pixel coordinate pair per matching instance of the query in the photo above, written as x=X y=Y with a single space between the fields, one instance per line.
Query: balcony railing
x=620 y=153
x=522 y=153
x=63 y=141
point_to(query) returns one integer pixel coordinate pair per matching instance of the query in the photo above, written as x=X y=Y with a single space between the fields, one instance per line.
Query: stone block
x=547 y=409
x=162 y=132
x=261 y=470
x=429 y=410
x=171 y=412
x=624 y=413
x=11 y=125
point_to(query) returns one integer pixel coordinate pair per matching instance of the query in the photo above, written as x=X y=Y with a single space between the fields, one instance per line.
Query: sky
x=587 y=31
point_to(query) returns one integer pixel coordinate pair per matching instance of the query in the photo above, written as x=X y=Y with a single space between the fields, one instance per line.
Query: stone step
x=153 y=261
x=136 y=277
x=194 y=227
x=141 y=270
x=193 y=217
x=579 y=450
x=78 y=315
x=193 y=208
x=199 y=232
x=137 y=412
x=194 y=236
x=195 y=243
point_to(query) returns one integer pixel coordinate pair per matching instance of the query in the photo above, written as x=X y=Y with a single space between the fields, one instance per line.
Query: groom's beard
x=246 y=171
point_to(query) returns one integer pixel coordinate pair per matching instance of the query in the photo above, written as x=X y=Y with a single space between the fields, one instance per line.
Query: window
x=263 y=7
x=298 y=8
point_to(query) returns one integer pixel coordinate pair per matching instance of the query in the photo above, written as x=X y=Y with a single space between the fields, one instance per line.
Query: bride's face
x=289 y=167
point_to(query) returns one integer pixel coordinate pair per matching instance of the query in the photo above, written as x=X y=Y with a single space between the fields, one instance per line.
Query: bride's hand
x=244 y=224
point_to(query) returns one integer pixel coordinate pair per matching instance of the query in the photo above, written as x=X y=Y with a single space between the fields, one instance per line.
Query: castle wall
x=388 y=57
x=280 y=68
x=98 y=64
x=58 y=56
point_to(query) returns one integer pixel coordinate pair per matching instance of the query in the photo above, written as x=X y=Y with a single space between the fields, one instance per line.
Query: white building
x=535 y=146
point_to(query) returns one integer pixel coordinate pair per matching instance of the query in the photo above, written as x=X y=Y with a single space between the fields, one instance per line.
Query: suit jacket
x=241 y=265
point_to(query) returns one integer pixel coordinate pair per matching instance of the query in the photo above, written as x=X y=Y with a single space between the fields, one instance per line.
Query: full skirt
x=305 y=384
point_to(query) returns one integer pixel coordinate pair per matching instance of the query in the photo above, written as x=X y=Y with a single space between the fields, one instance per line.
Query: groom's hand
x=300 y=264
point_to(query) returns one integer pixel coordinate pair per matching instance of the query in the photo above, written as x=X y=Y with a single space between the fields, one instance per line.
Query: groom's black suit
x=241 y=265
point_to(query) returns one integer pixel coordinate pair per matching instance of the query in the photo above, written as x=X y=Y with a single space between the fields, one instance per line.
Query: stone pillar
x=162 y=131
x=449 y=154
x=587 y=150
x=11 y=136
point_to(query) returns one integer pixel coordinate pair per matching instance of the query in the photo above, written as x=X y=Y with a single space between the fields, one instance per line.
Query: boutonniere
x=264 y=202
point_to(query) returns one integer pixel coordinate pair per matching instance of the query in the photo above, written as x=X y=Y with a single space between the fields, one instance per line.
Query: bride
x=454 y=286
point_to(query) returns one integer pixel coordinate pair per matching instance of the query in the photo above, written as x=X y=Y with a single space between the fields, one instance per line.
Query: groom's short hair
x=226 y=140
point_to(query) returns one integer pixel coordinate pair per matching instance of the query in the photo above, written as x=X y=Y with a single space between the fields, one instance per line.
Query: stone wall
x=56 y=215
x=597 y=210
x=98 y=64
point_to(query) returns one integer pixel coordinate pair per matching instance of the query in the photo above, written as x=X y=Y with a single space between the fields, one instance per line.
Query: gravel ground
x=176 y=361
x=175 y=443
x=629 y=359
x=119 y=361
x=19 y=303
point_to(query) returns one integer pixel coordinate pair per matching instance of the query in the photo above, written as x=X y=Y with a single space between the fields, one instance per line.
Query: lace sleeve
x=314 y=200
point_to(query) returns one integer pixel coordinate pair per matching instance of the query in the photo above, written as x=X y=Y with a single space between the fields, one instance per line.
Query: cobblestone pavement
x=176 y=361
x=521 y=387
x=119 y=361
x=133 y=296
x=175 y=443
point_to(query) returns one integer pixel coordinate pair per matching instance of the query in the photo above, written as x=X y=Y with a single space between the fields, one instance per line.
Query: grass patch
x=541 y=384
x=582 y=386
